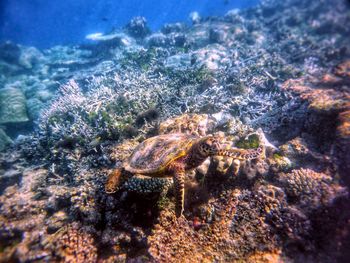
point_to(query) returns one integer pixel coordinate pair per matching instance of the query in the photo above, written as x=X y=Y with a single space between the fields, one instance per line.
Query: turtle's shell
x=153 y=155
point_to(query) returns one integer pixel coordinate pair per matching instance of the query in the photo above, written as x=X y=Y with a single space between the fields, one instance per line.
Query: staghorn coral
x=203 y=124
x=73 y=115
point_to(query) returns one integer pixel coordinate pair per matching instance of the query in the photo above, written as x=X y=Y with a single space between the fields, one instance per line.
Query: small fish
x=95 y=142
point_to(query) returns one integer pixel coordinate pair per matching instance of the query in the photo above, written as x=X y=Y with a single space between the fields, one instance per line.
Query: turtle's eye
x=209 y=146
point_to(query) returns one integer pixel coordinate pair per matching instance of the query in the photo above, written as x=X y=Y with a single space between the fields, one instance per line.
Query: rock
x=138 y=28
x=195 y=17
x=212 y=57
x=175 y=27
x=4 y=140
x=216 y=35
x=10 y=177
x=280 y=163
x=30 y=56
x=111 y=40
x=68 y=56
x=162 y=40
x=34 y=107
x=30 y=90
x=178 y=61
x=10 y=52
x=233 y=16
x=157 y=40
x=43 y=95
x=12 y=106
x=248 y=211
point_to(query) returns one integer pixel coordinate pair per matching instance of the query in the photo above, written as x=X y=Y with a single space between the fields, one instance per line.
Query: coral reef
x=4 y=140
x=137 y=27
x=310 y=189
x=13 y=106
x=70 y=115
x=72 y=244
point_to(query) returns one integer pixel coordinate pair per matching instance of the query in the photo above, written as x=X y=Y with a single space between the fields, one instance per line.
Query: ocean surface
x=175 y=131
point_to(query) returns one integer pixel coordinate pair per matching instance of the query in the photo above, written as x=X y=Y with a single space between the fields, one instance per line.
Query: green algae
x=251 y=142
x=163 y=202
x=282 y=163
x=142 y=58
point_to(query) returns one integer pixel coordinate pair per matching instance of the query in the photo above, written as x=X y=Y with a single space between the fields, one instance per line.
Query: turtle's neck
x=194 y=158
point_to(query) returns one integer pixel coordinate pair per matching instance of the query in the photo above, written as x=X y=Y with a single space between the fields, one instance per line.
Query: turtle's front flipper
x=114 y=180
x=179 y=188
x=242 y=154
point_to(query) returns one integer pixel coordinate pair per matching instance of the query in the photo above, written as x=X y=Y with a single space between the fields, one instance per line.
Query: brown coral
x=326 y=93
x=343 y=70
x=320 y=99
x=328 y=98
x=230 y=229
x=72 y=244
x=309 y=188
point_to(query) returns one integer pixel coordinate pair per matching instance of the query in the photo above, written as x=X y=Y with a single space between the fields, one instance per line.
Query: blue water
x=44 y=23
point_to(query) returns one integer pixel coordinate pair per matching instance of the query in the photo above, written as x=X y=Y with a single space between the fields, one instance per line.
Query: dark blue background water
x=44 y=23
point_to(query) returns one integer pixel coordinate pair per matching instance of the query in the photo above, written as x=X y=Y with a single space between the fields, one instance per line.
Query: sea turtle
x=170 y=155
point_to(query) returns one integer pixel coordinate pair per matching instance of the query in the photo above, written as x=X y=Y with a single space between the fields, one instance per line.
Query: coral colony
x=281 y=70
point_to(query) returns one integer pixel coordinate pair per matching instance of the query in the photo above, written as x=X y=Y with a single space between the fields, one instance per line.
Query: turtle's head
x=209 y=146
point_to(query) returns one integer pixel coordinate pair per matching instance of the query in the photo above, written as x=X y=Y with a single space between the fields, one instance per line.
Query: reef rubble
x=77 y=112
